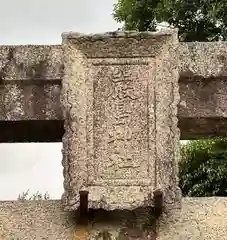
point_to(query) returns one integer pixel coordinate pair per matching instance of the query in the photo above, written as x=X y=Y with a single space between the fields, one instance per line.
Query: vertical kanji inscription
x=121 y=123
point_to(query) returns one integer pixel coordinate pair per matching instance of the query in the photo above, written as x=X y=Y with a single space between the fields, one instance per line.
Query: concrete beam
x=30 y=84
x=202 y=111
x=30 y=81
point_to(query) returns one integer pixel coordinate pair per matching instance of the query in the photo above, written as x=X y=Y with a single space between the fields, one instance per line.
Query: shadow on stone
x=118 y=224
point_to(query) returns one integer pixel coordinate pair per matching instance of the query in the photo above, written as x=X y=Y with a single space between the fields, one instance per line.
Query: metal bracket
x=158 y=203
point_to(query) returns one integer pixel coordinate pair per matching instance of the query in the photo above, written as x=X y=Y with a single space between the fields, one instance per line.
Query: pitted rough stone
x=45 y=61
x=31 y=82
x=34 y=100
x=199 y=219
x=119 y=99
x=115 y=49
x=203 y=59
x=30 y=62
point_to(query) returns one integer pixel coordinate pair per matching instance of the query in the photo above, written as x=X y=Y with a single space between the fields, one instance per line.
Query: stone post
x=119 y=98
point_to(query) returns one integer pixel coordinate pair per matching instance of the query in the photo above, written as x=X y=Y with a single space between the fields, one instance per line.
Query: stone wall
x=200 y=218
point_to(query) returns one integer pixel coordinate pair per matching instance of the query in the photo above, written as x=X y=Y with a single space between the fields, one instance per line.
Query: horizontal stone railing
x=199 y=218
x=30 y=84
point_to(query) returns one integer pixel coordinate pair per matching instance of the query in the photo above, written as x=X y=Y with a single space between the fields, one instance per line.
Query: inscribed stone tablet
x=119 y=98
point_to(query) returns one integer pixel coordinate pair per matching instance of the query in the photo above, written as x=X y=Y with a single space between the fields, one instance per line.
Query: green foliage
x=35 y=196
x=203 y=168
x=197 y=20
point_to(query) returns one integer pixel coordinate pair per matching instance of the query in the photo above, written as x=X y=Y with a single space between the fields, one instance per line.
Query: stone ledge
x=200 y=218
x=117 y=34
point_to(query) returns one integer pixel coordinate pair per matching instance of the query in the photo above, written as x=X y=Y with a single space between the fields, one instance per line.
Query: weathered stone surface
x=199 y=218
x=34 y=220
x=121 y=138
x=203 y=59
x=202 y=102
x=203 y=97
x=31 y=92
x=30 y=100
x=203 y=85
x=30 y=79
x=31 y=62
x=30 y=84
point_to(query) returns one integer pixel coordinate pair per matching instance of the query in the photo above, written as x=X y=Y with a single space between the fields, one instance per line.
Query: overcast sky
x=43 y=21
x=38 y=166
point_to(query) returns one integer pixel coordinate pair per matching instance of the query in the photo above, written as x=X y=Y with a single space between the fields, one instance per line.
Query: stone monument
x=119 y=98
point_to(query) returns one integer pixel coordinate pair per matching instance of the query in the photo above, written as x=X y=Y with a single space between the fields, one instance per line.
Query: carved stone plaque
x=119 y=98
